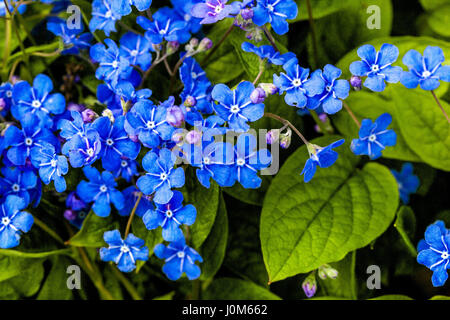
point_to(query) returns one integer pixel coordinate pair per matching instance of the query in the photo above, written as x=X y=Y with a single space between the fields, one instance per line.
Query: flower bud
x=175 y=116
x=272 y=136
x=258 y=95
x=269 y=88
x=190 y=102
x=356 y=82
x=247 y=13
x=172 y=47
x=74 y=202
x=193 y=137
x=205 y=45
x=108 y=113
x=2 y=104
x=190 y=47
x=326 y=270
x=89 y=115
x=70 y=215
x=178 y=137
x=15 y=79
x=309 y=285
x=285 y=139
x=71 y=106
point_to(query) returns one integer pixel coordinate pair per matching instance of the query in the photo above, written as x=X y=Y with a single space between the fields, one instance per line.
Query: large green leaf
x=439 y=20
x=320 y=8
x=55 y=285
x=236 y=289
x=433 y=4
x=406 y=225
x=25 y=284
x=304 y=225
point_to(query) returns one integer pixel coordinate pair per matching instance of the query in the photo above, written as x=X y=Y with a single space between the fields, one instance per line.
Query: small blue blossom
x=269 y=53
x=131 y=194
x=18 y=182
x=296 y=84
x=425 y=71
x=84 y=149
x=180 y=259
x=6 y=96
x=51 y=166
x=323 y=157
x=136 y=49
x=101 y=189
x=128 y=169
x=123 y=7
x=124 y=253
x=334 y=91
x=74 y=202
x=71 y=37
x=211 y=11
x=275 y=12
x=170 y=217
x=377 y=66
x=21 y=9
x=149 y=123
x=435 y=253
x=115 y=142
x=103 y=17
x=235 y=106
x=374 y=137
x=124 y=90
x=13 y=221
x=37 y=100
x=161 y=176
x=407 y=181
x=183 y=10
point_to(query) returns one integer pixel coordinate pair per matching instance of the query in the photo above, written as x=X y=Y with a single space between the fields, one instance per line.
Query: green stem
x=262 y=64
x=350 y=112
x=286 y=122
x=270 y=38
x=47 y=229
x=313 y=31
x=126 y=283
x=321 y=125
x=7 y=48
x=440 y=106
x=130 y=219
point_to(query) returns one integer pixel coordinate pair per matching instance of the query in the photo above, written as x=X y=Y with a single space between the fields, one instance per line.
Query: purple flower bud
x=178 y=137
x=2 y=104
x=190 y=102
x=89 y=115
x=356 y=82
x=309 y=285
x=74 y=202
x=193 y=137
x=205 y=45
x=285 y=139
x=272 y=136
x=71 y=106
x=323 y=117
x=172 y=46
x=269 y=88
x=15 y=79
x=70 y=215
x=175 y=116
x=258 y=95
x=247 y=13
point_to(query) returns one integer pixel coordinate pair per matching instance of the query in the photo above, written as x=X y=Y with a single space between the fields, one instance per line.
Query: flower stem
x=211 y=52
x=313 y=31
x=350 y=112
x=262 y=64
x=126 y=283
x=47 y=229
x=7 y=46
x=440 y=106
x=270 y=38
x=130 y=219
x=286 y=122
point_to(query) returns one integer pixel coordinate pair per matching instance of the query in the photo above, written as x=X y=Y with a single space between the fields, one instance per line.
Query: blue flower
x=165 y=26
x=51 y=166
x=37 y=100
x=70 y=128
x=334 y=91
x=191 y=72
x=127 y=169
x=124 y=253
x=136 y=49
x=426 y=70
x=13 y=221
x=275 y=12
x=183 y=10
x=21 y=9
x=235 y=106
x=323 y=157
x=211 y=11
x=103 y=17
x=84 y=149
x=180 y=259
x=170 y=217
x=269 y=53
x=377 y=66
x=70 y=36
x=296 y=84
x=149 y=123
x=18 y=182
x=131 y=195
x=74 y=202
x=436 y=255
x=161 y=176
x=115 y=142
x=112 y=64
x=101 y=189
x=374 y=137
x=124 y=90
x=407 y=181
x=6 y=95
x=248 y=161
x=123 y=7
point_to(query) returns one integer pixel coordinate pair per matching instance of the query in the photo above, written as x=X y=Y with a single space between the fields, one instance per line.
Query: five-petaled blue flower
x=123 y=7
x=6 y=97
x=101 y=189
x=103 y=17
x=161 y=176
x=407 y=181
x=296 y=84
x=275 y=12
x=127 y=169
x=425 y=71
x=269 y=53
x=70 y=36
x=377 y=66
x=37 y=100
x=83 y=149
x=211 y=11
x=170 y=217
x=435 y=253
x=323 y=157
x=124 y=253
x=136 y=49
x=18 y=182
x=333 y=92
x=235 y=106
x=180 y=259
x=374 y=137
x=13 y=221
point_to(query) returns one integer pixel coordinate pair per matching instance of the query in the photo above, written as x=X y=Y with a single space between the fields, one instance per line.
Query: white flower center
x=28 y=141
x=134 y=53
x=15 y=187
x=426 y=74
x=108 y=14
x=180 y=254
x=151 y=124
x=270 y=7
x=124 y=163
x=109 y=142
x=53 y=163
x=115 y=64
x=9 y=94
x=297 y=82
x=163 y=176
x=103 y=188
x=169 y=214
x=36 y=104
x=240 y=162
x=206 y=160
x=162 y=32
x=328 y=88
x=375 y=68
x=372 y=137
x=444 y=255
x=235 y=109
x=5 y=221
x=90 y=152
x=194 y=75
x=218 y=9
x=124 y=248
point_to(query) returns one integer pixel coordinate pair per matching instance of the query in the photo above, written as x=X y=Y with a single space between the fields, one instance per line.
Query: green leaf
x=439 y=20
x=392 y=297
x=25 y=284
x=33 y=255
x=55 y=286
x=406 y=226
x=214 y=247
x=167 y=296
x=92 y=230
x=440 y=298
x=305 y=225
x=320 y=8
x=13 y=266
x=433 y=4
x=236 y=289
